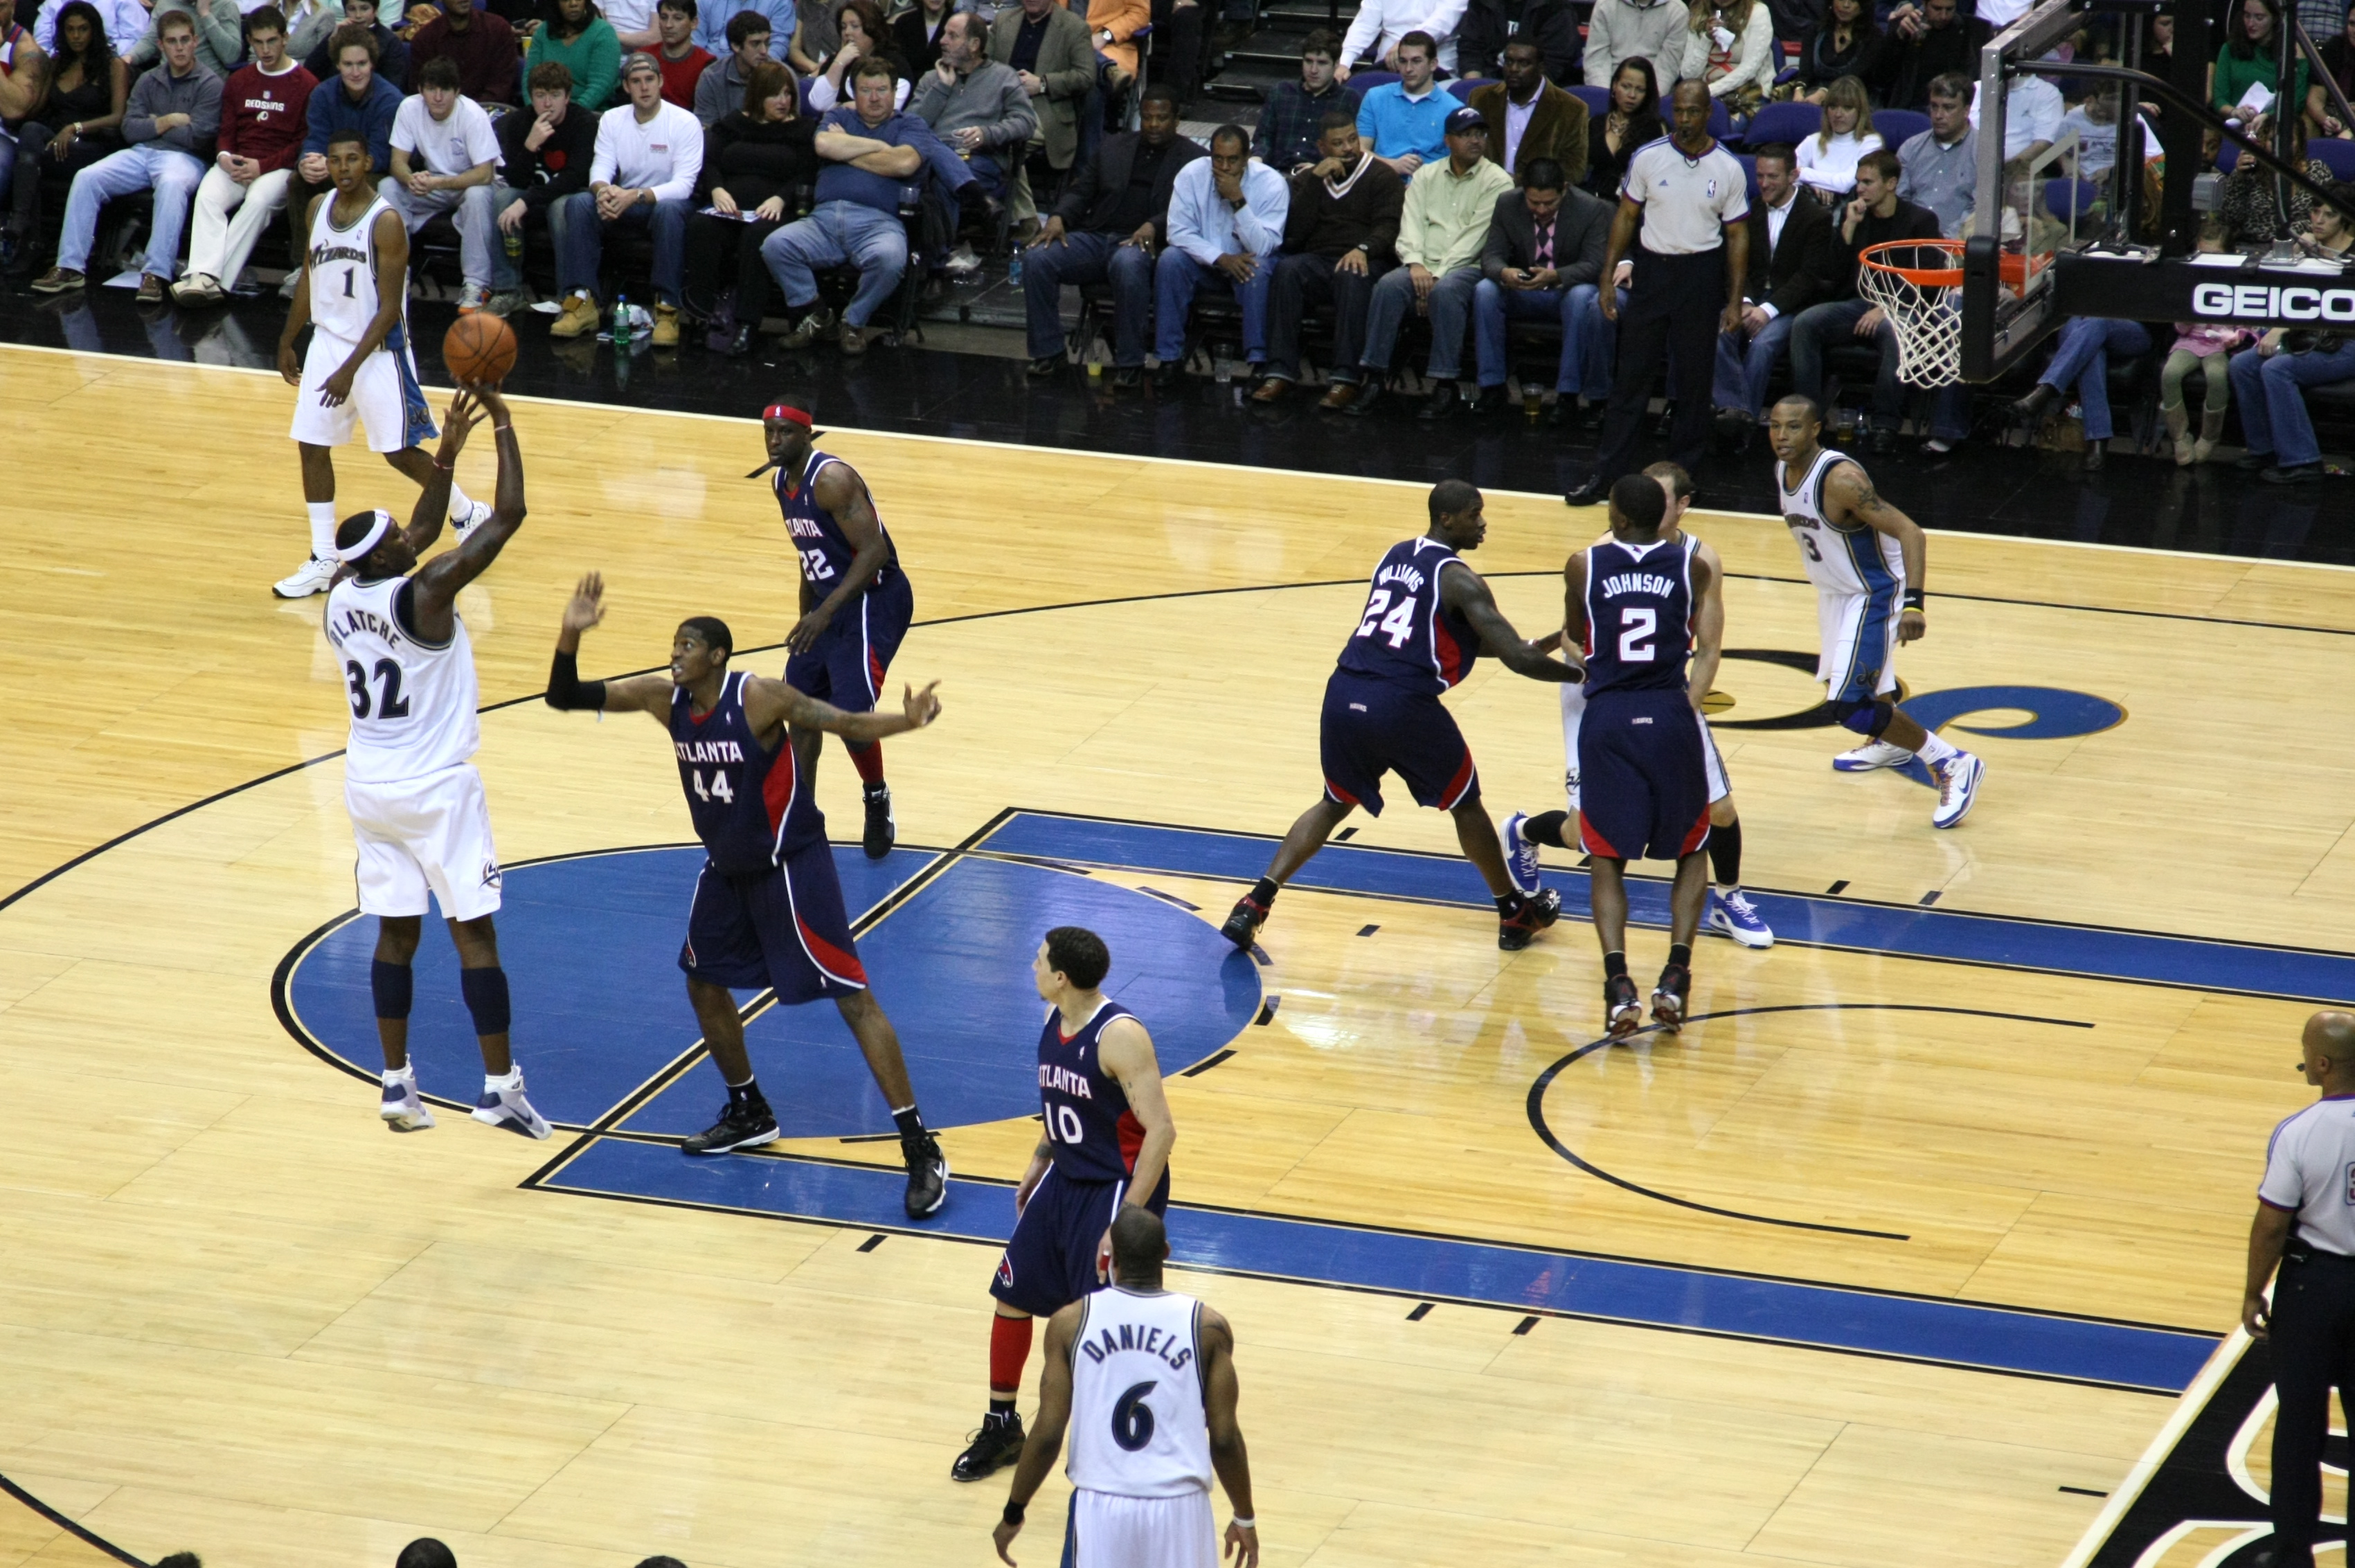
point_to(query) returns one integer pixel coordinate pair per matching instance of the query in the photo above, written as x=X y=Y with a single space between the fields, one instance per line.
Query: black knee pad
x=1867 y=719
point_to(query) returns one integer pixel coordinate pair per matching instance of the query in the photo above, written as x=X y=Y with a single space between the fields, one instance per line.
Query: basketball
x=479 y=348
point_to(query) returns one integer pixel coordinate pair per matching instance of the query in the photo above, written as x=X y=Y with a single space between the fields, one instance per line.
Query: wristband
x=445 y=467
x=1013 y=1511
x=1913 y=598
x=1239 y=1522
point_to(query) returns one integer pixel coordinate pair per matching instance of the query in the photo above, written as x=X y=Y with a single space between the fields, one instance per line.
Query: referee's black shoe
x=1594 y=493
x=1668 y=998
x=743 y=1124
x=883 y=832
x=998 y=1445
x=928 y=1175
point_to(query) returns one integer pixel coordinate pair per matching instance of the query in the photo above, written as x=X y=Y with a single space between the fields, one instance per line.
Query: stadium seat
x=1463 y=87
x=1749 y=173
x=1899 y=126
x=2227 y=155
x=2057 y=198
x=1364 y=81
x=2339 y=155
x=1596 y=98
x=1720 y=119
x=1783 y=123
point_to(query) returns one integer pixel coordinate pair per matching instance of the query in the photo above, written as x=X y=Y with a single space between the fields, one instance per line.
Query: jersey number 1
x=1398 y=625
x=390 y=704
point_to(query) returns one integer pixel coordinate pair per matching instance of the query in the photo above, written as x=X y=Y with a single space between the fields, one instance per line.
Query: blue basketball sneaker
x=1732 y=914
x=1958 y=789
x=1520 y=857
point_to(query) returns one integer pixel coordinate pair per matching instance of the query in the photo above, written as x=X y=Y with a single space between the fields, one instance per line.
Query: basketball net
x=1918 y=285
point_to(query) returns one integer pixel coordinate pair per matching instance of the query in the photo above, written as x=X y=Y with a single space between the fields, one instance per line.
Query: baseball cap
x=641 y=60
x=1465 y=119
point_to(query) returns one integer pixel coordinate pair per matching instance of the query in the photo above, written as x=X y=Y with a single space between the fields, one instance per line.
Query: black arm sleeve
x=566 y=689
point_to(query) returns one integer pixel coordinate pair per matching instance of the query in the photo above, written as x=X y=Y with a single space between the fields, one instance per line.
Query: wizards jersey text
x=1406 y=635
x=750 y=807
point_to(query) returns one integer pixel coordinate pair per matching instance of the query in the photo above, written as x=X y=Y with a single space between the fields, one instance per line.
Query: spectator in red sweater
x=260 y=136
x=480 y=41
x=681 y=56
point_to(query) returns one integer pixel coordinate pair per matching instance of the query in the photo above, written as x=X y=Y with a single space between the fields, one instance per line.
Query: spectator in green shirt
x=579 y=37
x=2250 y=56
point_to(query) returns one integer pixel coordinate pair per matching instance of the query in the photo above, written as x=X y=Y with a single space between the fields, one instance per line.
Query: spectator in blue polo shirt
x=871 y=153
x=1404 y=123
x=712 y=16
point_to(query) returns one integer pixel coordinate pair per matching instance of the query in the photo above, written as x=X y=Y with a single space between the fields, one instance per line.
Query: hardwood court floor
x=235 y=1315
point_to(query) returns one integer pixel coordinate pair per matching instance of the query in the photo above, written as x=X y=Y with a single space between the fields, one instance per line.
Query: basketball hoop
x=1918 y=285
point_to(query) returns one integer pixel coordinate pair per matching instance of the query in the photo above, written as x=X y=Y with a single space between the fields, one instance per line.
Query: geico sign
x=2228 y=302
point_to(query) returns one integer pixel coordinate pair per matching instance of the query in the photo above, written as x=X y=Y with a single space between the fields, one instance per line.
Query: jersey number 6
x=1398 y=626
x=1132 y=1418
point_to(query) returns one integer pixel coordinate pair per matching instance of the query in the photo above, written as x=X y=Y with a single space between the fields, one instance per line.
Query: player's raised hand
x=1243 y=1545
x=496 y=405
x=462 y=416
x=587 y=606
x=922 y=708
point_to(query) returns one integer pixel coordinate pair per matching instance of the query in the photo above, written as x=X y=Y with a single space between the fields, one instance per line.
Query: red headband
x=787 y=411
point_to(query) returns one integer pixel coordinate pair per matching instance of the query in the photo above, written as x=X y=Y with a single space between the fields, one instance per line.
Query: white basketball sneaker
x=503 y=1105
x=402 y=1111
x=476 y=515
x=314 y=576
x=1959 y=789
x=1732 y=914
x=1872 y=754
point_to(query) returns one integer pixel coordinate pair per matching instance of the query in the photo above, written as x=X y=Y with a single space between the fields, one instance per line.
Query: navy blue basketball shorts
x=1373 y=727
x=1643 y=780
x=784 y=927
x=847 y=665
x=1050 y=1261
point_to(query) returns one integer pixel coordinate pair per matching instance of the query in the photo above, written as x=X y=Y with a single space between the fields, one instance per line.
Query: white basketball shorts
x=430 y=834
x=1859 y=661
x=1108 y=1532
x=1574 y=706
x=386 y=397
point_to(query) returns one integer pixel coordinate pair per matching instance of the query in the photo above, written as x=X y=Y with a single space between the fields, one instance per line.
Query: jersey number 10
x=1398 y=625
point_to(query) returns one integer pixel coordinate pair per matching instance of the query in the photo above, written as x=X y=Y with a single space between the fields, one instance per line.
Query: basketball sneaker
x=998 y=1445
x=1243 y=922
x=1872 y=754
x=504 y=1106
x=1520 y=856
x=1732 y=914
x=1529 y=915
x=882 y=830
x=472 y=297
x=1668 y=998
x=314 y=576
x=402 y=1111
x=743 y=1124
x=474 y=516
x=1623 y=1009
x=1958 y=789
x=928 y=1175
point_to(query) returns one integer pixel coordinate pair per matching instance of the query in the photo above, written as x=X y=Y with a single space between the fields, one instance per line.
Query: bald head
x=2330 y=1044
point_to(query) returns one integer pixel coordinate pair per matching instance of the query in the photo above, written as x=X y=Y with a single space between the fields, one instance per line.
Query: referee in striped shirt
x=2305 y=1223
x=1690 y=196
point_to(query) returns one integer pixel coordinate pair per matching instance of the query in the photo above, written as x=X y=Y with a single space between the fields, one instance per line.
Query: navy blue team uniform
x=847 y=665
x=768 y=906
x=1383 y=711
x=1051 y=1259
x=1643 y=782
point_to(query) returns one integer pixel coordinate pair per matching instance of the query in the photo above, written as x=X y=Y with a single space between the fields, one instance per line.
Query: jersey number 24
x=1398 y=625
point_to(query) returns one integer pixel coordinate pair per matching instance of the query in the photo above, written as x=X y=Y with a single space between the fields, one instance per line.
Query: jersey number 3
x=390 y=704
x=1398 y=625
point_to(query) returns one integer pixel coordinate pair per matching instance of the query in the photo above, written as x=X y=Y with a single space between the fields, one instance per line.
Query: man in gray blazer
x=1048 y=47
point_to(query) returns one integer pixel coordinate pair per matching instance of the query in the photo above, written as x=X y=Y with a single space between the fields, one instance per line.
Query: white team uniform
x=386 y=397
x=1573 y=708
x=1859 y=577
x=416 y=802
x=1140 y=1445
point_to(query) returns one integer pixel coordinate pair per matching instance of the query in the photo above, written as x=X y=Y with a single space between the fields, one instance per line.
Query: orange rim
x=1922 y=276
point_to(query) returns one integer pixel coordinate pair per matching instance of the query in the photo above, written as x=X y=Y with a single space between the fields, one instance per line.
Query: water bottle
x=1014 y=268
x=621 y=318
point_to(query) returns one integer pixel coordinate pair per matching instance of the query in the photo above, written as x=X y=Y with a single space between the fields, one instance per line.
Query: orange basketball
x=479 y=348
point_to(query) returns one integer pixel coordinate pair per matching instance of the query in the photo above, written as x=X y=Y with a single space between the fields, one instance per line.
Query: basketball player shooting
x=1867 y=561
x=855 y=598
x=768 y=908
x=1144 y=1379
x=1428 y=617
x=354 y=295
x=416 y=802
x=1639 y=604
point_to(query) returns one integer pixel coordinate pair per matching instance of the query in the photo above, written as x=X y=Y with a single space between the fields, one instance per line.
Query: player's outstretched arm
x=844 y=494
x=1708 y=623
x=1221 y=1393
x=1126 y=1049
x=1466 y=593
x=439 y=582
x=433 y=501
x=768 y=704
x=1849 y=497
x=1574 y=603
x=566 y=689
x=1046 y=1438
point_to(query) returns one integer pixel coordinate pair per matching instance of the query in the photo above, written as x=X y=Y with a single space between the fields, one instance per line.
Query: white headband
x=369 y=541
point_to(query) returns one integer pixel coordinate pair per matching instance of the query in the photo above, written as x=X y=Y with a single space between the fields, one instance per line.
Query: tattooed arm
x=1849 y=498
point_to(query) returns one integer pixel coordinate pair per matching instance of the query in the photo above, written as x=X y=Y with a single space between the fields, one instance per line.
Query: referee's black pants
x=1675 y=306
x=2313 y=1339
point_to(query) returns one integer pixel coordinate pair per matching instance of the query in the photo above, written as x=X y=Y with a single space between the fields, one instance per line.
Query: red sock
x=868 y=760
x=1010 y=1347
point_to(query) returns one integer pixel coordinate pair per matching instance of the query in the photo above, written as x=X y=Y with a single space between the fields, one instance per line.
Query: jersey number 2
x=390 y=704
x=1132 y=1418
x=1398 y=625
x=1637 y=626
